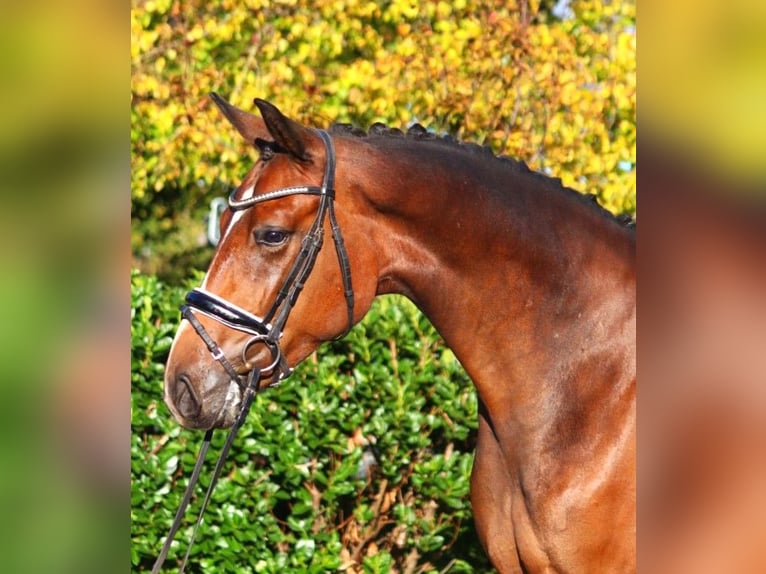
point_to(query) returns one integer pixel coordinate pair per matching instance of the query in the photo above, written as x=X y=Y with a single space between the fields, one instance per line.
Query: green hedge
x=293 y=496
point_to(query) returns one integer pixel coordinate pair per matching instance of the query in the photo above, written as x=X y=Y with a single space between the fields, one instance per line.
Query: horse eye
x=266 y=153
x=271 y=237
x=266 y=148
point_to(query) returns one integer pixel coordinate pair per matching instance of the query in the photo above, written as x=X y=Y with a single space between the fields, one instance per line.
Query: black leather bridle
x=267 y=330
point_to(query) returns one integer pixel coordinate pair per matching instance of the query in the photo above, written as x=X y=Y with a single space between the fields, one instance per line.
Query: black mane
x=418 y=132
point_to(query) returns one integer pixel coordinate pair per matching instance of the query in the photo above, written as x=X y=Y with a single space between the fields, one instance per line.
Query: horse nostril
x=186 y=399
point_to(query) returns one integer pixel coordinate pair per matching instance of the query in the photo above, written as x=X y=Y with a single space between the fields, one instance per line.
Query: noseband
x=266 y=330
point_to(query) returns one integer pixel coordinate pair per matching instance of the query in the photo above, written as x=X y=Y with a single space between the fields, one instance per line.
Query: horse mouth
x=231 y=406
x=232 y=401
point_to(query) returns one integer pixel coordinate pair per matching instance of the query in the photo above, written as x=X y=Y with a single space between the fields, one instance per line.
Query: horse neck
x=524 y=281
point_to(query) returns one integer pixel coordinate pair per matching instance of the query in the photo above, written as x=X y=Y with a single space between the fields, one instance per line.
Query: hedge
x=360 y=460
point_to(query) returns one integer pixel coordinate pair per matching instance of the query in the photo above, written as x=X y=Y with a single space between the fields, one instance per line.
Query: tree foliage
x=554 y=88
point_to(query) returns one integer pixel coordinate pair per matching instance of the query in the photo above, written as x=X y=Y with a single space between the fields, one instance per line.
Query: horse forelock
x=417 y=132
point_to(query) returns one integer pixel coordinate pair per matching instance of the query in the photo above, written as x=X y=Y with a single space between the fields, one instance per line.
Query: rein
x=266 y=330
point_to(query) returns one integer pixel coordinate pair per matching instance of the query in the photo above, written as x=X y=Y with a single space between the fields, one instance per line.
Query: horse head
x=270 y=266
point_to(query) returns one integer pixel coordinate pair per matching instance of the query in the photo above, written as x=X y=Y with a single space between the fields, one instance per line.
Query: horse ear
x=289 y=134
x=249 y=125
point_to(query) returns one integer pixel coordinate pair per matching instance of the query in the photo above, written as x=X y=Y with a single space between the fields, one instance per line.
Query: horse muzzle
x=205 y=403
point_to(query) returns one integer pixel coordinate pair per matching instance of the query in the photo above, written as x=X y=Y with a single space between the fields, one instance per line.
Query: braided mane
x=419 y=133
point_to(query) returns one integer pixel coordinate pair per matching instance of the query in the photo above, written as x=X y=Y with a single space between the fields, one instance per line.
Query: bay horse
x=531 y=284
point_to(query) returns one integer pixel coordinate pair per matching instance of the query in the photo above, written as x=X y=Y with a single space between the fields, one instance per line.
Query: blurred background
x=64 y=395
x=702 y=287
x=703 y=68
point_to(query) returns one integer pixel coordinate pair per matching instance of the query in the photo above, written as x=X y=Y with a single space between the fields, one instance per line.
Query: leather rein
x=267 y=330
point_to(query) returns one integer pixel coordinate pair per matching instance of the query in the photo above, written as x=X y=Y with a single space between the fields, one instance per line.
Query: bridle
x=267 y=330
